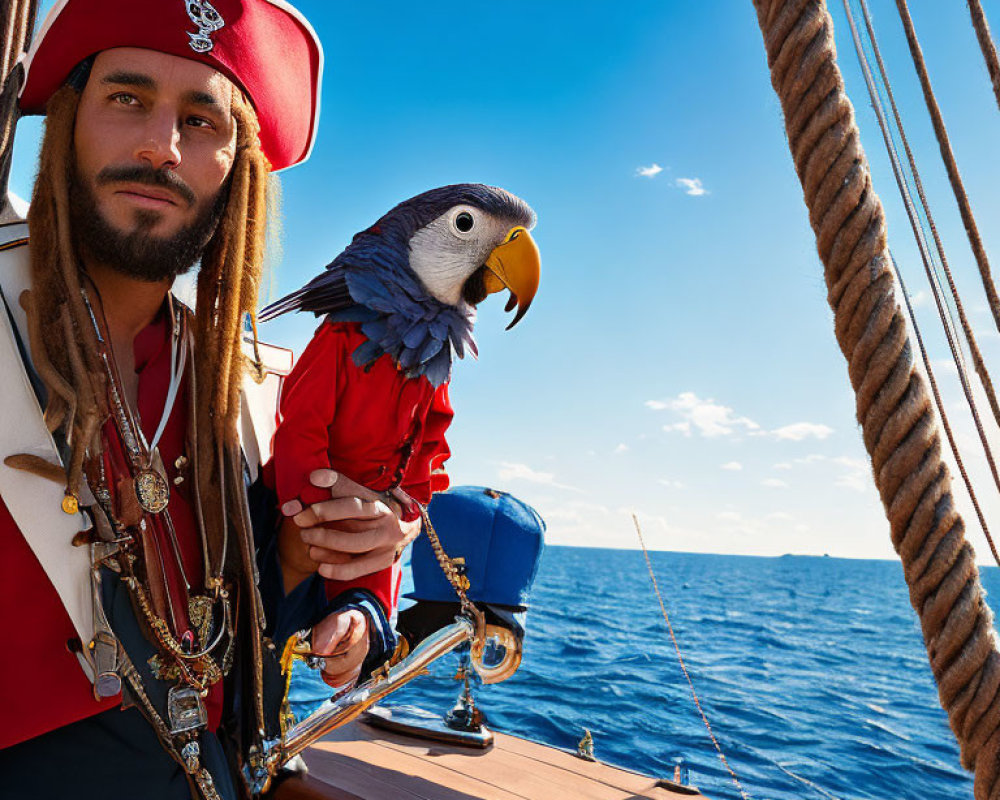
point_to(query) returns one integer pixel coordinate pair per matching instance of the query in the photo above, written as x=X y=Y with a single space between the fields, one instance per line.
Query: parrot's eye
x=464 y=222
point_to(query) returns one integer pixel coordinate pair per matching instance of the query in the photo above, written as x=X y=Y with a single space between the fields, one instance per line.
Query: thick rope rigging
x=680 y=660
x=894 y=405
x=968 y=220
x=986 y=45
x=941 y=410
x=926 y=257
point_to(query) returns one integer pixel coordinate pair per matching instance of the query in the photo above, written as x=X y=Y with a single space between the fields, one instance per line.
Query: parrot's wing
x=326 y=293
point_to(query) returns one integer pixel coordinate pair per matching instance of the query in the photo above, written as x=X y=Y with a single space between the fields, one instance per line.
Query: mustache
x=145 y=174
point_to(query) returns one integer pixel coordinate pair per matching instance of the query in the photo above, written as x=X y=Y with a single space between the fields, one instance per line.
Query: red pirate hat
x=265 y=46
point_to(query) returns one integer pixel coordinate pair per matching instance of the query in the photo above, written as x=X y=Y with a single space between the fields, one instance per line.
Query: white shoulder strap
x=259 y=402
x=34 y=502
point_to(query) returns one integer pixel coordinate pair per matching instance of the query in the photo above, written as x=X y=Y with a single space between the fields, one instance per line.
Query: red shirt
x=373 y=424
x=42 y=686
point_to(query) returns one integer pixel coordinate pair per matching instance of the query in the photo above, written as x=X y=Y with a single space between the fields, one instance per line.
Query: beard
x=139 y=253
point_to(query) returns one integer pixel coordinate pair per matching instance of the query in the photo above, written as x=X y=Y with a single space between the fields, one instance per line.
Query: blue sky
x=679 y=359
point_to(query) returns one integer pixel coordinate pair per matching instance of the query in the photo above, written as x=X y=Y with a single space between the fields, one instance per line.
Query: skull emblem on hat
x=208 y=20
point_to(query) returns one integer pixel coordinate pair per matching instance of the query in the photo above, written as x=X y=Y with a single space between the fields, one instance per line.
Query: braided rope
x=986 y=45
x=894 y=405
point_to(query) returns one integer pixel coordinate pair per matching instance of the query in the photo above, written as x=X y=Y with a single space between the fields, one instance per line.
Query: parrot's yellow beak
x=515 y=264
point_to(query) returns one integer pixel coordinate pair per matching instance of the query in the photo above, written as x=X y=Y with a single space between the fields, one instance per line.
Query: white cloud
x=681 y=427
x=798 y=431
x=774 y=483
x=651 y=171
x=692 y=186
x=711 y=419
x=670 y=484
x=857 y=476
x=732 y=466
x=522 y=472
x=621 y=448
x=782 y=465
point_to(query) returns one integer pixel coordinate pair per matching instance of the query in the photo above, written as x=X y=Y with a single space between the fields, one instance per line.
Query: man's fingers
x=340 y=508
x=340 y=485
x=291 y=508
x=347 y=541
x=359 y=565
x=323 y=556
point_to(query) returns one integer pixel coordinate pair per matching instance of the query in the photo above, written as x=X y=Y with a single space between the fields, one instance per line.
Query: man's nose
x=161 y=141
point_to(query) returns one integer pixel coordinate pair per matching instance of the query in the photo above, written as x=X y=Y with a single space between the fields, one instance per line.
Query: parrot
x=368 y=397
x=413 y=279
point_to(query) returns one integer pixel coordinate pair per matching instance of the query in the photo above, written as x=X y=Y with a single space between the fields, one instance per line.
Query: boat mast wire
x=926 y=257
x=944 y=144
x=977 y=358
x=680 y=660
x=941 y=412
x=986 y=45
x=921 y=219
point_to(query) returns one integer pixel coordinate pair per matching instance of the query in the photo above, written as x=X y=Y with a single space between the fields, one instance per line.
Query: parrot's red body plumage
x=374 y=425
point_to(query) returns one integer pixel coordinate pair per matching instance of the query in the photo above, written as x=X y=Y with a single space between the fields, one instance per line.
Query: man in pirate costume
x=135 y=660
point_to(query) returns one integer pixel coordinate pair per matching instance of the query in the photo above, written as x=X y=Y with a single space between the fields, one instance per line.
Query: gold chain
x=204 y=665
x=455 y=579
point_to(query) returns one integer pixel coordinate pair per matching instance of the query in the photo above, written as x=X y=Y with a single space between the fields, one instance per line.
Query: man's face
x=154 y=143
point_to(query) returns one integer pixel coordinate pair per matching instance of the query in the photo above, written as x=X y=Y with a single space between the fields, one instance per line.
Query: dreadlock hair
x=63 y=342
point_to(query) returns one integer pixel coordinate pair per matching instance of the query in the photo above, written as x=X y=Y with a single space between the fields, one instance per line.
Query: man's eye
x=199 y=122
x=124 y=99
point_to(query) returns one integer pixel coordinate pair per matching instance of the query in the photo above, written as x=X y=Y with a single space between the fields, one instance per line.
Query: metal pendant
x=186 y=710
x=152 y=491
x=200 y=614
x=191 y=753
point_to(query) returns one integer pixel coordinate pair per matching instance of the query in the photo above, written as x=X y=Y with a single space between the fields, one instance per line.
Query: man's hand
x=354 y=533
x=342 y=640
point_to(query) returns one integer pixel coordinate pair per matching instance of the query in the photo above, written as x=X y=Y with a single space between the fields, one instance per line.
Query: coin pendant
x=152 y=491
x=70 y=505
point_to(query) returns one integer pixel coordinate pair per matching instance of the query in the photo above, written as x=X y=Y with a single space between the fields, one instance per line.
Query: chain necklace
x=151 y=490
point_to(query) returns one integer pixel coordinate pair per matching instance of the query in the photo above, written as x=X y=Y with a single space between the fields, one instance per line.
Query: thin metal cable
x=924 y=252
x=971 y=229
x=986 y=45
x=680 y=659
x=941 y=412
x=977 y=358
x=912 y=211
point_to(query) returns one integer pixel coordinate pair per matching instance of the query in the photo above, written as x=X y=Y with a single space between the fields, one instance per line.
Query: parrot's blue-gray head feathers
x=414 y=277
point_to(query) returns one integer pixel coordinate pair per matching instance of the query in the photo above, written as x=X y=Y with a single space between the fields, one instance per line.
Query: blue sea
x=811 y=671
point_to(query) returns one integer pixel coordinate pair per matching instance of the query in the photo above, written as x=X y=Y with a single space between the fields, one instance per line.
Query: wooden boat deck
x=360 y=762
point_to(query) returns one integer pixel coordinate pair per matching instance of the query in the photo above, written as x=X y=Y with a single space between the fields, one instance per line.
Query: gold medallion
x=70 y=505
x=151 y=490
